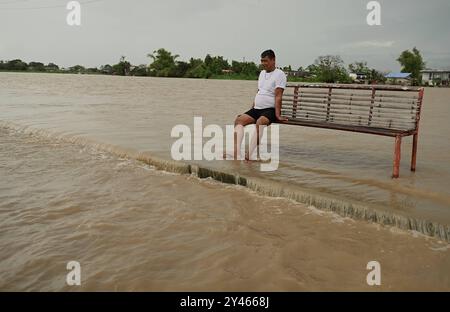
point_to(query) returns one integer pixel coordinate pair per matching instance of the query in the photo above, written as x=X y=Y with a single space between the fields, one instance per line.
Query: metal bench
x=382 y=110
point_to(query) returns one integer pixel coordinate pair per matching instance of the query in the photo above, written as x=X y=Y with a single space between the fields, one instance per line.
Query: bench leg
x=414 y=152
x=396 y=171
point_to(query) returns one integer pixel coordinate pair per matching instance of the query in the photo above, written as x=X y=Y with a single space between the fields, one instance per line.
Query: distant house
x=399 y=78
x=297 y=73
x=435 y=77
x=359 y=77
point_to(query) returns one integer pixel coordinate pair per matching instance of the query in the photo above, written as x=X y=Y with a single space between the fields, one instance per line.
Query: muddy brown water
x=133 y=227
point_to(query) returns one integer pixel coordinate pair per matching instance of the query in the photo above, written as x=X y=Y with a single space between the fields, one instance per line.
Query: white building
x=433 y=77
x=359 y=77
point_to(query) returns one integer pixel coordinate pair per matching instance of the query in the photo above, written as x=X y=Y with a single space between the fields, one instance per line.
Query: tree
x=51 y=67
x=163 y=64
x=92 y=70
x=140 y=70
x=181 y=69
x=208 y=60
x=122 y=68
x=330 y=69
x=376 y=76
x=236 y=66
x=215 y=65
x=249 y=69
x=412 y=62
x=106 y=69
x=196 y=68
x=359 y=68
x=16 y=64
x=36 y=66
x=372 y=75
x=77 y=69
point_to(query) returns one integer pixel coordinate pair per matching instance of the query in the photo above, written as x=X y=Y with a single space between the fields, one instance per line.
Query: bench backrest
x=386 y=107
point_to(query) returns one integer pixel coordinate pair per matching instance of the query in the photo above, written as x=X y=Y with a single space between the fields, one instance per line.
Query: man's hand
x=278 y=97
x=282 y=119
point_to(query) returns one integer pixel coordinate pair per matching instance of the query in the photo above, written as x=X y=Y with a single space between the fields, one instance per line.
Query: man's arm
x=253 y=106
x=278 y=97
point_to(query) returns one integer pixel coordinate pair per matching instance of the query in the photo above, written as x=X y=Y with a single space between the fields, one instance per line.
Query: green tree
x=106 y=69
x=16 y=64
x=51 y=67
x=163 y=64
x=92 y=70
x=250 y=69
x=215 y=64
x=36 y=66
x=376 y=77
x=140 y=70
x=372 y=75
x=208 y=60
x=236 y=66
x=196 y=68
x=247 y=69
x=330 y=69
x=77 y=69
x=181 y=69
x=412 y=62
x=359 y=68
x=122 y=68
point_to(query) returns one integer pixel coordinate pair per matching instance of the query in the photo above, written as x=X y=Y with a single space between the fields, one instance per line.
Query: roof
x=434 y=71
x=398 y=75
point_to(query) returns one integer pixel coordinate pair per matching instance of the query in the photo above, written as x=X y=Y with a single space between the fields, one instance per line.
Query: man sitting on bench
x=266 y=107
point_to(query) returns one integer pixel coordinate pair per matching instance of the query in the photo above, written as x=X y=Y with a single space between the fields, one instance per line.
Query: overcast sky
x=297 y=30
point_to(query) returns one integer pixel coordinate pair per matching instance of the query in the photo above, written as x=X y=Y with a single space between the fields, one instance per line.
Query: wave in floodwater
x=135 y=228
x=266 y=187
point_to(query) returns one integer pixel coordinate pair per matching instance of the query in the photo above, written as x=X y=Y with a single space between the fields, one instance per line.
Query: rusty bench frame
x=396 y=133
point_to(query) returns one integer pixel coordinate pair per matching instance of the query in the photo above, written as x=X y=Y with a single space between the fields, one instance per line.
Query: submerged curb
x=343 y=208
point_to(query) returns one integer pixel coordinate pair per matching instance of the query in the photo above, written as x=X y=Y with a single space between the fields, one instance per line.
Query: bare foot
x=258 y=159
x=247 y=158
x=228 y=155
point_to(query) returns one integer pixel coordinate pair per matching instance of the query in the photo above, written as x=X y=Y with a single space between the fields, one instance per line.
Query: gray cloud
x=298 y=31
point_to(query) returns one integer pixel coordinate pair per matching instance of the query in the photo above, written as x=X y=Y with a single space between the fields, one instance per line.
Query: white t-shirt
x=267 y=83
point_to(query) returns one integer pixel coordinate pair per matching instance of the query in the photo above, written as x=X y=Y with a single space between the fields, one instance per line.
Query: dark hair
x=269 y=53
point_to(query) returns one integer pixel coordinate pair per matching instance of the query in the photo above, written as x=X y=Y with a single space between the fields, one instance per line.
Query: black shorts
x=266 y=112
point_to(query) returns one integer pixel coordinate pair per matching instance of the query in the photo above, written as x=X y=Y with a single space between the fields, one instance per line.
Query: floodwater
x=71 y=189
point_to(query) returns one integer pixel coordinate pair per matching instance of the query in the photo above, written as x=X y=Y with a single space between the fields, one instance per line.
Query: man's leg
x=240 y=122
x=239 y=125
x=261 y=123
